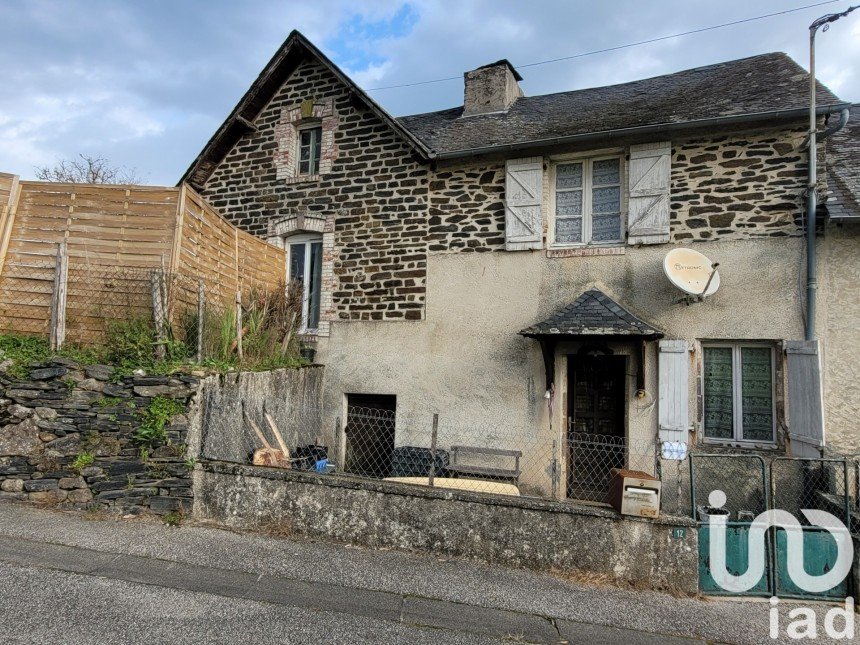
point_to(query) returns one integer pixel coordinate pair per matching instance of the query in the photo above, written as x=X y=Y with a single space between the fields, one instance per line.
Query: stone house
x=502 y=262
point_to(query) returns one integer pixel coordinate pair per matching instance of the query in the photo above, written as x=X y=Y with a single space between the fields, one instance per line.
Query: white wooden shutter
x=805 y=398
x=674 y=391
x=648 y=205
x=523 y=195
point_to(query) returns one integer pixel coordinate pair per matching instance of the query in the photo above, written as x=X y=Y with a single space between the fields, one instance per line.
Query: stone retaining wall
x=539 y=534
x=65 y=410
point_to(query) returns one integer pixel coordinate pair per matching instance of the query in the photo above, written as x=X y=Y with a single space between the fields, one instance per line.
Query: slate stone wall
x=733 y=187
x=374 y=188
x=64 y=410
x=724 y=187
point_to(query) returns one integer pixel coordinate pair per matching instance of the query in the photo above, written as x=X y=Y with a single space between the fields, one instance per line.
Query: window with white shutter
x=674 y=392
x=649 y=182
x=587 y=202
x=523 y=196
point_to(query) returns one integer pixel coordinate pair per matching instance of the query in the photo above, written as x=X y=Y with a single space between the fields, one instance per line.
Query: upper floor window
x=738 y=392
x=587 y=202
x=304 y=257
x=310 y=142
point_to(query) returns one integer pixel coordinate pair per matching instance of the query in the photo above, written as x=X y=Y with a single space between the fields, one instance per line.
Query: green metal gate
x=751 y=487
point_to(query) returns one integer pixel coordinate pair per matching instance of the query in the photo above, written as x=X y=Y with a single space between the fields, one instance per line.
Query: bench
x=456 y=465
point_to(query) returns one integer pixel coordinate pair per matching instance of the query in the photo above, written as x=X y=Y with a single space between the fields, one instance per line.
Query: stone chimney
x=491 y=88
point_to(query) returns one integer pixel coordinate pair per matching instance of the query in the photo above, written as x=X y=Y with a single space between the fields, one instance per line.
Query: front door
x=596 y=427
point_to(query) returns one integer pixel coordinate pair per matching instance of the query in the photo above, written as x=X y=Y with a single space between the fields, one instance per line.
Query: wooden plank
x=805 y=398
x=58 y=301
x=7 y=221
x=177 y=230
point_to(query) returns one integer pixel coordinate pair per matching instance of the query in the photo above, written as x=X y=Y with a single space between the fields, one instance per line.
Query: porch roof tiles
x=592 y=314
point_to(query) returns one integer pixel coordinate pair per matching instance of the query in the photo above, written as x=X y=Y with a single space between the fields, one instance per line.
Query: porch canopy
x=592 y=315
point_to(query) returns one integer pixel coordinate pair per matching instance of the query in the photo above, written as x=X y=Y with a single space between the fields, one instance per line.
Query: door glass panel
x=757 y=393
x=719 y=407
x=297 y=262
x=314 y=286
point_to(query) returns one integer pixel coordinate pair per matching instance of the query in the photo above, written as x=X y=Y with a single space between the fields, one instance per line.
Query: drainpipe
x=811 y=197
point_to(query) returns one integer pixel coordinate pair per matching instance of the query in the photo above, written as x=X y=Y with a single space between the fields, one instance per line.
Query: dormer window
x=310 y=140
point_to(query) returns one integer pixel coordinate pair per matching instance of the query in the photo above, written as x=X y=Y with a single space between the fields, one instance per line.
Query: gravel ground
x=412 y=574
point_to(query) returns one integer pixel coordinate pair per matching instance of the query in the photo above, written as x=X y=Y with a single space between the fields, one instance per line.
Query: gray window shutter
x=523 y=195
x=805 y=398
x=674 y=391
x=649 y=180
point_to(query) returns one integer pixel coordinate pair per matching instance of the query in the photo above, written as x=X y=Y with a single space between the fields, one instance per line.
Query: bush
x=130 y=343
x=151 y=432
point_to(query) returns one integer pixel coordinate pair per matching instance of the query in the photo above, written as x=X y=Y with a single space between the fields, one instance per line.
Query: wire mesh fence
x=189 y=318
x=822 y=484
x=742 y=478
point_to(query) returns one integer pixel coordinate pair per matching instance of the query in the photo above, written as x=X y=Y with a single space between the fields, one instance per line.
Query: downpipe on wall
x=815 y=137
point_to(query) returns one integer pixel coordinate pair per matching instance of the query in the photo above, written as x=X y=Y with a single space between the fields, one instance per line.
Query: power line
x=617 y=47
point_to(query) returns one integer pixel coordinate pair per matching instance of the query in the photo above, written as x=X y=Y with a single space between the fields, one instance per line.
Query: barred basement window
x=310 y=140
x=587 y=202
x=738 y=392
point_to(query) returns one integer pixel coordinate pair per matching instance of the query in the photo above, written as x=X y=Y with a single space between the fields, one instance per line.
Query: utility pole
x=822 y=23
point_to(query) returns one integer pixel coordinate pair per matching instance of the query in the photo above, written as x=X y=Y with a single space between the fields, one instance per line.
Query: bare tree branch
x=87 y=170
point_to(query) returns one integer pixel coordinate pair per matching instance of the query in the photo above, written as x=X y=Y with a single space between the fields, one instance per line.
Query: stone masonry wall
x=739 y=186
x=724 y=187
x=64 y=410
x=368 y=181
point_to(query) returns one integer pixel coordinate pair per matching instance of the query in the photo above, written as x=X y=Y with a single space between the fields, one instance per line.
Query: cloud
x=146 y=84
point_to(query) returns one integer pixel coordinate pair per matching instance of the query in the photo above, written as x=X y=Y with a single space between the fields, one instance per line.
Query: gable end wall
x=375 y=192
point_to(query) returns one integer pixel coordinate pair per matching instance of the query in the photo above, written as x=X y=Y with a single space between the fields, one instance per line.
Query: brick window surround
x=308 y=112
x=280 y=232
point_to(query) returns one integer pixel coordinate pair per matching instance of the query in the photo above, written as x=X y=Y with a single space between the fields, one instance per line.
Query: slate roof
x=843 y=166
x=751 y=86
x=592 y=314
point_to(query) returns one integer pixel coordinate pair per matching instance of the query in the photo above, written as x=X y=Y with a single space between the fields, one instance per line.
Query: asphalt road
x=70 y=580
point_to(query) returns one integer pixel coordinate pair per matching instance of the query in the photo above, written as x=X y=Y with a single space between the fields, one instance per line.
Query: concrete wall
x=466 y=361
x=290 y=396
x=513 y=532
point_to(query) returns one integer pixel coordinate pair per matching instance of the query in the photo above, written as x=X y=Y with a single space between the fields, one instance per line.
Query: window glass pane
x=568 y=175
x=606 y=228
x=315 y=149
x=306 y=137
x=297 y=262
x=606 y=171
x=568 y=231
x=757 y=393
x=314 y=286
x=718 y=392
x=568 y=204
x=606 y=200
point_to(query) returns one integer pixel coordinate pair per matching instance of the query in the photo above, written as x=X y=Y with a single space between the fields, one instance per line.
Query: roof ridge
x=774 y=55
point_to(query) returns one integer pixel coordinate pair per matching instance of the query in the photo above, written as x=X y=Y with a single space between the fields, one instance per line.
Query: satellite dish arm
x=710 y=277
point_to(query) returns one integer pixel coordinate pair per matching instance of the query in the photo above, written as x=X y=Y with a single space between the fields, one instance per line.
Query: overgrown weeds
x=151 y=431
x=270 y=322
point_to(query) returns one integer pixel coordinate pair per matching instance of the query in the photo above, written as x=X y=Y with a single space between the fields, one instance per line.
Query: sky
x=144 y=84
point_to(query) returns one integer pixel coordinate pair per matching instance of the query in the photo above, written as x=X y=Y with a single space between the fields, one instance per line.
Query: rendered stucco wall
x=839 y=330
x=466 y=361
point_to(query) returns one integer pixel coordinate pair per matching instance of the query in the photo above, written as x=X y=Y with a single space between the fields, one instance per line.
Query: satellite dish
x=692 y=273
